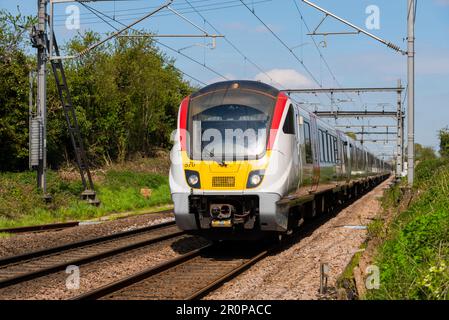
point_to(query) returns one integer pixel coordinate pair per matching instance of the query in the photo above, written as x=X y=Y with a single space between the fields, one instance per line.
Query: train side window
x=336 y=150
x=328 y=144
x=289 y=124
x=333 y=149
x=308 y=142
x=321 y=145
x=331 y=158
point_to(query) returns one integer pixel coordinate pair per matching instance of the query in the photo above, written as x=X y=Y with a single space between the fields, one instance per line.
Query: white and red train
x=248 y=161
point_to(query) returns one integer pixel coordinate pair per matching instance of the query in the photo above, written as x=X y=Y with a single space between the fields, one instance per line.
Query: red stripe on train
x=277 y=116
x=183 y=123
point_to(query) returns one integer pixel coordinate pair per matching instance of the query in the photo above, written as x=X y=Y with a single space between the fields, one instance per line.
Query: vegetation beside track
x=414 y=255
x=118 y=188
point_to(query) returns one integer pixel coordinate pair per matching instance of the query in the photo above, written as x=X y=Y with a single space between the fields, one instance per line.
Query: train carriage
x=248 y=161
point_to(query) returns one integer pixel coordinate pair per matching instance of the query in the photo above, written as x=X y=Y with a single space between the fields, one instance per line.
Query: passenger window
x=321 y=146
x=289 y=124
x=336 y=150
x=308 y=143
x=332 y=149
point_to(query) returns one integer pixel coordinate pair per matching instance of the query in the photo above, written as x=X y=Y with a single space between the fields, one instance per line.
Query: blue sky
x=355 y=60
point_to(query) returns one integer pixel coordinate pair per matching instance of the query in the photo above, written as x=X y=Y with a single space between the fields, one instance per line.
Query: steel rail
x=41 y=227
x=231 y=274
x=58 y=225
x=73 y=245
x=144 y=275
x=140 y=276
x=13 y=261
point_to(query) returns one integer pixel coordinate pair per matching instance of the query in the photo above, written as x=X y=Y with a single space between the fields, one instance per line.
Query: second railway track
x=20 y=268
x=186 y=277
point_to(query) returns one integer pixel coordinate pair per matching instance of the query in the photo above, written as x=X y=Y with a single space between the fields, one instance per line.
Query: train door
x=290 y=129
x=315 y=151
x=341 y=159
x=351 y=160
x=299 y=142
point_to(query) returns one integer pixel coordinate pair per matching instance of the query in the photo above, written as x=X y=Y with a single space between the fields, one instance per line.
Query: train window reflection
x=308 y=143
x=230 y=132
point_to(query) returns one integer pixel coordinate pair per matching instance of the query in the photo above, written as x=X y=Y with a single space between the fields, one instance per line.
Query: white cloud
x=288 y=78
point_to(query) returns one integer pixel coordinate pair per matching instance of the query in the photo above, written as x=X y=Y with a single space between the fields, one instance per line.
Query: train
x=248 y=162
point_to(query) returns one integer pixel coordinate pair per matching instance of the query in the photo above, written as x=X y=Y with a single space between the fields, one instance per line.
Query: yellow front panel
x=233 y=176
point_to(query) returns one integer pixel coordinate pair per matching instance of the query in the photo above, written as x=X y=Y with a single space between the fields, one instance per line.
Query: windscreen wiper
x=217 y=160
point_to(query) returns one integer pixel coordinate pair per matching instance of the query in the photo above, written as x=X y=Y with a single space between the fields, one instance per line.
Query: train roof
x=242 y=84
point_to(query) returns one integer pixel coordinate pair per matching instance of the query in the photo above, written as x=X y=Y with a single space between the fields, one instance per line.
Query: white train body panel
x=215 y=192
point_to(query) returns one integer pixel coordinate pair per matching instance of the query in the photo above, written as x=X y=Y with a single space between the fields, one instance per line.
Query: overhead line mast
x=47 y=51
x=411 y=8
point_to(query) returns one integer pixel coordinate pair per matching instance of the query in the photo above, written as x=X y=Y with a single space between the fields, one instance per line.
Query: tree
x=14 y=69
x=126 y=94
x=444 y=142
x=424 y=153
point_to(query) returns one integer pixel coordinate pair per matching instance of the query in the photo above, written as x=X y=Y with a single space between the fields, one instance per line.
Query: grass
x=118 y=189
x=346 y=279
x=4 y=235
x=414 y=259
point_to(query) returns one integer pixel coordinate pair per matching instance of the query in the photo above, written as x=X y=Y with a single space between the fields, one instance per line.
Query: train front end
x=226 y=176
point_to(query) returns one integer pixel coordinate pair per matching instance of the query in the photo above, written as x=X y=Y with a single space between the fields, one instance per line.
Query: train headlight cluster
x=193 y=179
x=254 y=178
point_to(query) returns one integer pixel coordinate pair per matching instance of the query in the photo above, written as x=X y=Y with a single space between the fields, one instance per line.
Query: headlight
x=193 y=179
x=254 y=178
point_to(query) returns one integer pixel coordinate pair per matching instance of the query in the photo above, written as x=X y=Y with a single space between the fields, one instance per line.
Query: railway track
x=189 y=276
x=41 y=227
x=55 y=226
x=20 y=268
x=186 y=277
x=196 y=273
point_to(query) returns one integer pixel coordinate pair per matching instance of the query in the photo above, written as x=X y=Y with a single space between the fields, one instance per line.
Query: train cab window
x=289 y=124
x=308 y=142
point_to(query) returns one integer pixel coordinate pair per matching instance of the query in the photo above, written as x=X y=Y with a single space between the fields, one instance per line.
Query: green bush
x=118 y=191
x=414 y=260
x=426 y=169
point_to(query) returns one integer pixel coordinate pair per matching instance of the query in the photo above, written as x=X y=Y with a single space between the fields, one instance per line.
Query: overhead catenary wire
x=283 y=44
x=99 y=14
x=132 y=16
x=245 y=57
x=227 y=40
x=316 y=45
x=319 y=51
x=178 y=6
x=112 y=26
